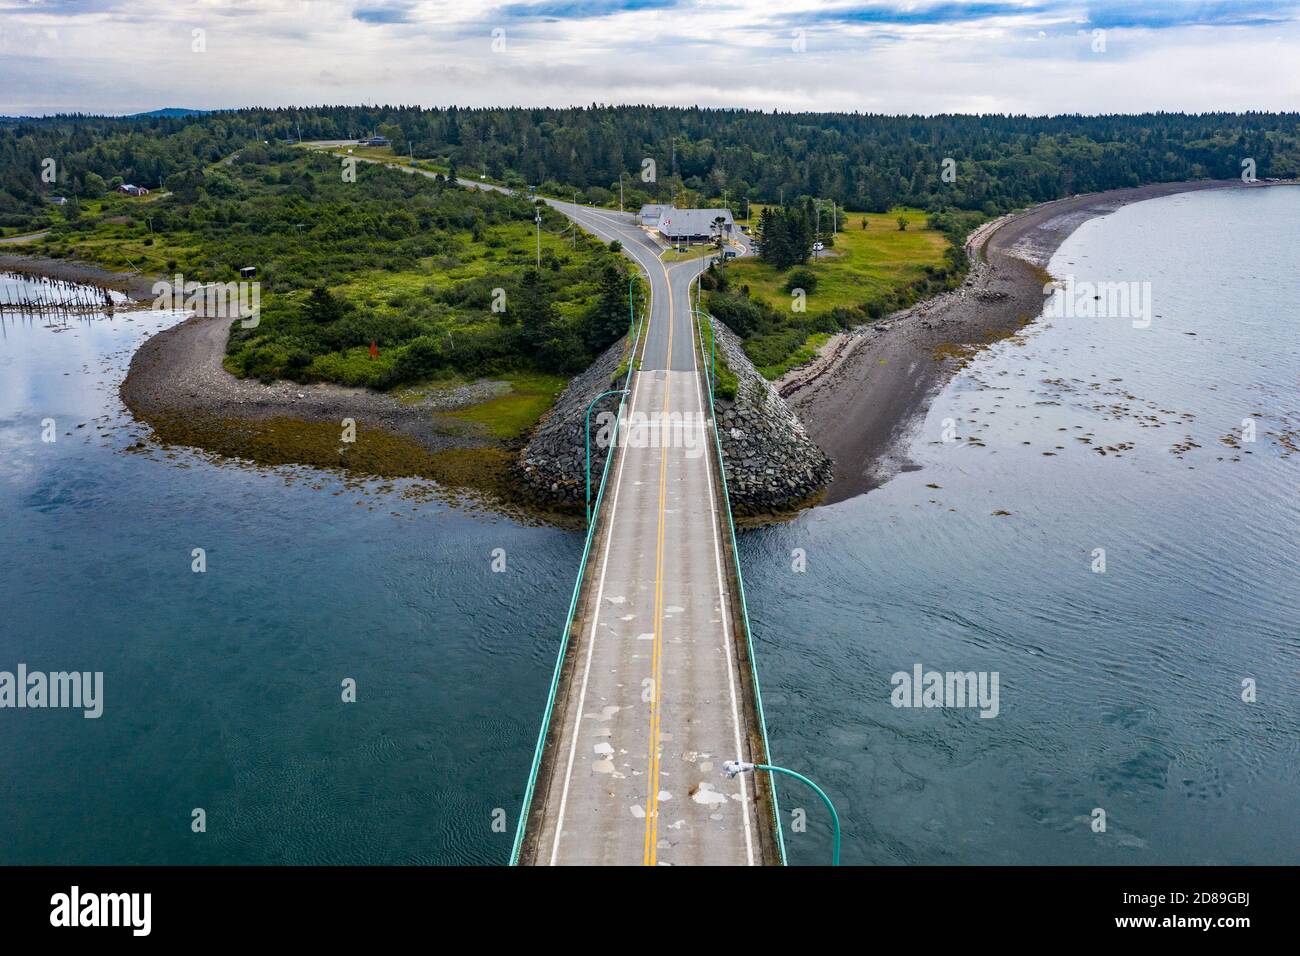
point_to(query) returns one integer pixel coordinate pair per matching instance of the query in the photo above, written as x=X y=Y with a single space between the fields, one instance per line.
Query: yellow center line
x=656 y=656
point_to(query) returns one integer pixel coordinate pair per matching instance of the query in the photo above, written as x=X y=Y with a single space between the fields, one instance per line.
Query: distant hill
x=168 y=111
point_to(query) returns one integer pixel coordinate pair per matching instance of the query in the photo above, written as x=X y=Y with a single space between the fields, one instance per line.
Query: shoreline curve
x=865 y=393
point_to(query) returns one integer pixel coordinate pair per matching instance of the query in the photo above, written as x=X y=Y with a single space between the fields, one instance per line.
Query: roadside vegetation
x=787 y=301
x=384 y=282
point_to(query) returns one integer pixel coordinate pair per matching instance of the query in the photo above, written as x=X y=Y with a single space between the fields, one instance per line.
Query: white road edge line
x=600 y=593
x=728 y=649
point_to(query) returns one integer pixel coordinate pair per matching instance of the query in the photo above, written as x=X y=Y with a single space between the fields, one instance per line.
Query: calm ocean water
x=1119 y=690
x=223 y=688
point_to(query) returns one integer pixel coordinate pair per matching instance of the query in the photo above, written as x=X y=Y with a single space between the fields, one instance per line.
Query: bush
x=801 y=279
x=742 y=315
x=420 y=358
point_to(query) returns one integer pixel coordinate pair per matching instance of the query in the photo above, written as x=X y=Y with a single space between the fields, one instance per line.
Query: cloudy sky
x=1021 y=56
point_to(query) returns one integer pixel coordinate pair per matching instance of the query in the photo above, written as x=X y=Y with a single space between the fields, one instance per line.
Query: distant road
x=653 y=697
x=654 y=702
x=30 y=237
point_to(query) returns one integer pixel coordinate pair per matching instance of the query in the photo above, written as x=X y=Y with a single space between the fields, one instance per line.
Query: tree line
x=862 y=161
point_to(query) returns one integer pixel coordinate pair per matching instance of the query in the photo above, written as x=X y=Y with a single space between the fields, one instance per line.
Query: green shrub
x=801 y=279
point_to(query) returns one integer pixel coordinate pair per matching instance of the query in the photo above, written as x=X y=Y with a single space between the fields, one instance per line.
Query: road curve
x=652 y=696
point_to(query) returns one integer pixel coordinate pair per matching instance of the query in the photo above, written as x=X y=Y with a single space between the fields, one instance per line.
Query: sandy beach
x=868 y=390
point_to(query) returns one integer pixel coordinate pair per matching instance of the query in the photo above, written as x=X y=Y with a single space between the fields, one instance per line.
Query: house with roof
x=650 y=213
x=694 y=225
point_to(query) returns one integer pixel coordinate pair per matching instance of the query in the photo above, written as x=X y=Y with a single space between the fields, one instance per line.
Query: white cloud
x=106 y=56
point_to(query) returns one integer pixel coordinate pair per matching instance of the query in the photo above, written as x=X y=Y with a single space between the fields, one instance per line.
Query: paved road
x=653 y=703
x=653 y=707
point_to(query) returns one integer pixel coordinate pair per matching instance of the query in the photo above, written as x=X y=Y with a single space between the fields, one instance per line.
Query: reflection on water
x=1119 y=690
x=223 y=688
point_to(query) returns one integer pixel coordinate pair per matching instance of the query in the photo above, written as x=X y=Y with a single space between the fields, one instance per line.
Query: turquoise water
x=1119 y=691
x=223 y=689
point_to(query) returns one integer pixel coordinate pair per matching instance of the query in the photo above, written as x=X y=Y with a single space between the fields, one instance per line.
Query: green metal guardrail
x=539 y=750
x=740 y=580
x=573 y=602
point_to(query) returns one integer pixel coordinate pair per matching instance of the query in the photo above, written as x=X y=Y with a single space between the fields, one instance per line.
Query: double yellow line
x=656 y=655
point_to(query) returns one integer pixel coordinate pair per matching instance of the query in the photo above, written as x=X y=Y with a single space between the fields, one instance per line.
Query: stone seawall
x=552 y=466
x=772 y=464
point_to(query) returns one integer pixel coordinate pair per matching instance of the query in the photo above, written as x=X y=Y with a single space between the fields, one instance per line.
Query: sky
x=878 y=56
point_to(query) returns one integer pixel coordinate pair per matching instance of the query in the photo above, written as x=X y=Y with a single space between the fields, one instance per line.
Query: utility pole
x=538 y=220
x=620 y=190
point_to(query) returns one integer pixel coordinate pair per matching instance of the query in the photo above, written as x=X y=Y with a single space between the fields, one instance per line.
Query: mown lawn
x=864 y=275
x=862 y=263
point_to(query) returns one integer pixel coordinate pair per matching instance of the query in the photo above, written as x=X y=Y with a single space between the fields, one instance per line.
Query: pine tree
x=608 y=318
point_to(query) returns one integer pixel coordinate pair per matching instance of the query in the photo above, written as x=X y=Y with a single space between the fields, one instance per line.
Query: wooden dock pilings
x=40 y=295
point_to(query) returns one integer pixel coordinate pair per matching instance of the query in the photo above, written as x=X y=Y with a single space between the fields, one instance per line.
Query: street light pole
x=586 y=434
x=733 y=767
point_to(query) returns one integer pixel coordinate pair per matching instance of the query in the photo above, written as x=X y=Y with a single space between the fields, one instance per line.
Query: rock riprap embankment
x=772 y=464
x=552 y=466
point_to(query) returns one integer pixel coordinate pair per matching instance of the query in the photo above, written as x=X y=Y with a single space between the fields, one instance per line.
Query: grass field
x=692 y=252
x=512 y=416
x=864 y=275
x=861 y=264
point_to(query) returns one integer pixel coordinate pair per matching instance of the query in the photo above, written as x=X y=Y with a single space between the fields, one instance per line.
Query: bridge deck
x=655 y=692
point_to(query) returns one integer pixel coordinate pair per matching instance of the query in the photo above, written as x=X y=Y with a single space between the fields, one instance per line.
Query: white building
x=694 y=225
x=650 y=213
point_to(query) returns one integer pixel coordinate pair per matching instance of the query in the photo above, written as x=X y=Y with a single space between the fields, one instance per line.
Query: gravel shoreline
x=139 y=288
x=865 y=394
x=860 y=399
x=178 y=373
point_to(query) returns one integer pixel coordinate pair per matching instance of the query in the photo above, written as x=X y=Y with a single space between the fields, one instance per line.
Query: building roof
x=691 y=222
x=651 y=212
